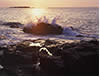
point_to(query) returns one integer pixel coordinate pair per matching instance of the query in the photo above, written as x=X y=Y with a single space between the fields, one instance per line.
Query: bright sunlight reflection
x=38 y=13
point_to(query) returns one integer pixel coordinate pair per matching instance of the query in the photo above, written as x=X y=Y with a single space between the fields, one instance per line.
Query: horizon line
x=49 y=7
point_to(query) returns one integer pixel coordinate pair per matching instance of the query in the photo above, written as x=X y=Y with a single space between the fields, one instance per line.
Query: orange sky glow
x=50 y=3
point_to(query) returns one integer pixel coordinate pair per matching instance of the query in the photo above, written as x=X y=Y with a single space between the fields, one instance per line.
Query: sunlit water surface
x=85 y=20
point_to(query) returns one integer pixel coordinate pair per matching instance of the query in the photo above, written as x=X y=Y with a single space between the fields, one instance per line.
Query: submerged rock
x=44 y=29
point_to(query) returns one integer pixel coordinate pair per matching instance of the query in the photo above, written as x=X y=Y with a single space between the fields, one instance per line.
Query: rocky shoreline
x=50 y=58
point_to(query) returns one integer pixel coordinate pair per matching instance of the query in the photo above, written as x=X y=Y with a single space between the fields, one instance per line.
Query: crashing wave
x=43 y=19
x=68 y=31
x=43 y=27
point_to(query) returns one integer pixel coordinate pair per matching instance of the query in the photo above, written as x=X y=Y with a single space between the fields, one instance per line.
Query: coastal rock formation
x=50 y=58
x=13 y=24
x=44 y=29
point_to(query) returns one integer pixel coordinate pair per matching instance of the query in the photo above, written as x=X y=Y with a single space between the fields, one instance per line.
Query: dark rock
x=50 y=42
x=52 y=66
x=20 y=7
x=79 y=36
x=13 y=60
x=82 y=59
x=94 y=42
x=50 y=58
x=87 y=65
x=56 y=51
x=43 y=29
x=7 y=72
x=45 y=51
x=82 y=66
x=13 y=24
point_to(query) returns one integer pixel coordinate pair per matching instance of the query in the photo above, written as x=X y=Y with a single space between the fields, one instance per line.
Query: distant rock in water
x=43 y=29
x=13 y=24
x=20 y=7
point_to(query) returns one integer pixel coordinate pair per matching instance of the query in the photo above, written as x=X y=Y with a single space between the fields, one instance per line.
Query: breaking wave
x=68 y=31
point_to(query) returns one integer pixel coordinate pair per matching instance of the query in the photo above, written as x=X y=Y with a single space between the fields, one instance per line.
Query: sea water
x=84 y=21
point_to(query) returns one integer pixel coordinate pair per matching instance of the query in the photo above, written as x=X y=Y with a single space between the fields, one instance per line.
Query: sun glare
x=38 y=12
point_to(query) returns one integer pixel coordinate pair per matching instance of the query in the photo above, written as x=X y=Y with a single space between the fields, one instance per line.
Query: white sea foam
x=43 y=19
x=15 y=35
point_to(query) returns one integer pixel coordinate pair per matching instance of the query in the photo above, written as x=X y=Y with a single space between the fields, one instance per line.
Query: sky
x=50 y=3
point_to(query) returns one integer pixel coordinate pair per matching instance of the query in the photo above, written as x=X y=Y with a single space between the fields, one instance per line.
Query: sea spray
x=43 y=19
x=69 y=31
x=42 y=26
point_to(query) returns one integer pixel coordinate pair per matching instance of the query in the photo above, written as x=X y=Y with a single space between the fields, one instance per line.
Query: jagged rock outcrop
x=50 y=58
x=44 y=29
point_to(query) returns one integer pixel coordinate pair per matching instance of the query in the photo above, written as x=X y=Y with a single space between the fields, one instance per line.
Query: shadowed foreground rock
x=44 y=29
x=50 y=58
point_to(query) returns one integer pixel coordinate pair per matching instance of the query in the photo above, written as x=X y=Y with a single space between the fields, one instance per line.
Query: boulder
x=13 y=24
x=81 y=59
x=43 y=29
x=54 y=58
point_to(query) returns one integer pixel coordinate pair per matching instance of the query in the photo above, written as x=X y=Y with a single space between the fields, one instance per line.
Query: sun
x=38 y=13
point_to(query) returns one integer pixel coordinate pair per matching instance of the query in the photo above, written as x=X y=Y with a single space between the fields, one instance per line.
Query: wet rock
x=52 y=66
x=2 y=37
x=7 y=72
x=51 y=58
x=55 y=50
x=87 y=65
x=49 y=42
x=13 y=24
x=94 y=42
x=82 y=59
x=79 y=36
x=29 y=46
x=43 y=29
x=1 y=67
x=45 y=50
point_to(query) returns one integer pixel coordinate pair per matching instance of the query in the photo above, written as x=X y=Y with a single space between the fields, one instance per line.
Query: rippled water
x=84 y=19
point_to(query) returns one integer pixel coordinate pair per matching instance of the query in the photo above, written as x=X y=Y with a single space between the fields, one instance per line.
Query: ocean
x=85 y=21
